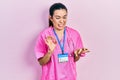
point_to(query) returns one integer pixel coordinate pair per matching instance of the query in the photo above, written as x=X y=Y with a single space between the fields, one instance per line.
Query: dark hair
x=54 y=7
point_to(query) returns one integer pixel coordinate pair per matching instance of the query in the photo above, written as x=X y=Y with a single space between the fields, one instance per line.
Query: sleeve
x=40 y=47
x=79 y=44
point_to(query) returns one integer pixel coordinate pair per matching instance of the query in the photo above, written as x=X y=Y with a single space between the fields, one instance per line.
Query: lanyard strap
x=61 y=46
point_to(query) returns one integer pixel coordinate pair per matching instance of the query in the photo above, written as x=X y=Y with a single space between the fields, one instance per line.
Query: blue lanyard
x=61 y=46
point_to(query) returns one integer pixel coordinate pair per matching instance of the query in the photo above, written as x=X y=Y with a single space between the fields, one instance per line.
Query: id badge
x=63 y=57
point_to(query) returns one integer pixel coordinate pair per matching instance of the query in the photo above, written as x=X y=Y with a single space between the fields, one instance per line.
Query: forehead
x=60 y=12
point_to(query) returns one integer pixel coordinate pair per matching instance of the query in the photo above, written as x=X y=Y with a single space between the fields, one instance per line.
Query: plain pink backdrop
x=98 y=22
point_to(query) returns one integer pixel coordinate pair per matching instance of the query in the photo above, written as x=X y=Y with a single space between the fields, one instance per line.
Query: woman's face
x=59 y=19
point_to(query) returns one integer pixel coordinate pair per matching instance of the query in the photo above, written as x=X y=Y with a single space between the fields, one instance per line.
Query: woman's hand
x=51 y=43
x=81 y=51
x=84 y=50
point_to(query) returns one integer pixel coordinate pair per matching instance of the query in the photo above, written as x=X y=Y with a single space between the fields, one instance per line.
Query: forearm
x=45 y=59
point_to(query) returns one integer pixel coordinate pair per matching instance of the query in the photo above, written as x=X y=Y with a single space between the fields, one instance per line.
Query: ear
x=50 y=17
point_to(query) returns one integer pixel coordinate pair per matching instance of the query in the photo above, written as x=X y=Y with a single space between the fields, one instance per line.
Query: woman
x=59 y=47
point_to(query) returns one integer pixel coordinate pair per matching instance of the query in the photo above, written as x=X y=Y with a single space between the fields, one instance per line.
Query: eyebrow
x=60 y=16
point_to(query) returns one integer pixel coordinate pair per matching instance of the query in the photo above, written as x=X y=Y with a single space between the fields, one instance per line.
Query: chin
x=60 y=28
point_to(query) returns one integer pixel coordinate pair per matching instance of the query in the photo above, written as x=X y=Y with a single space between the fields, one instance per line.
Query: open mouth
x=61 y=25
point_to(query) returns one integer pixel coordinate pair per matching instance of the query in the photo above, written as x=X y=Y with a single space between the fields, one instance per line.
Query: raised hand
x=51 y=42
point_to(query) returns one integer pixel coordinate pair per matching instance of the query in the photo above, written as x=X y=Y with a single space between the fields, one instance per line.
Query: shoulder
x=72 y=31
x=46 y=31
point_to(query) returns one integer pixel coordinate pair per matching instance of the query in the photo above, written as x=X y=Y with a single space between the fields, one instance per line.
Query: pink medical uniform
x=55 y=70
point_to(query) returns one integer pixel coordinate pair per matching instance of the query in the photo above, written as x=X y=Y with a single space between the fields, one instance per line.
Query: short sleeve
x=40 y=47
x=79 y=44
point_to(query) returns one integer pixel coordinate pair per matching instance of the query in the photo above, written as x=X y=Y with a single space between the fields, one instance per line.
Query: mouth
x=60 y=25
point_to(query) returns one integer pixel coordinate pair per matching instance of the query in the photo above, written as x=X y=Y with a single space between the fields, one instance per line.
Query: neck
x=59 y=31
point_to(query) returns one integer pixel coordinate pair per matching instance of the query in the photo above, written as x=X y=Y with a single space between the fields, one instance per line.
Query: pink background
x=98 y=22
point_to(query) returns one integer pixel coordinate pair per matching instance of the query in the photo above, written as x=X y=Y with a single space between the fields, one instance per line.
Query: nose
x=61 y=20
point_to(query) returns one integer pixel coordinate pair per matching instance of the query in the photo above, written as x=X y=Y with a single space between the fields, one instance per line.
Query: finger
x=76 y=51
x=54 y=40
x=46 y=42
x=79 y=51
x=85 y=51
x=76 y=54
x=49 y=37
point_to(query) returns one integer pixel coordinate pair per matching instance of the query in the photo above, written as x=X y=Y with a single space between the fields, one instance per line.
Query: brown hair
x=54 y=7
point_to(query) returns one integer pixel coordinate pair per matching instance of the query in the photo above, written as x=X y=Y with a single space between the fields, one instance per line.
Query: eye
x=57 y=17
x=64 y=17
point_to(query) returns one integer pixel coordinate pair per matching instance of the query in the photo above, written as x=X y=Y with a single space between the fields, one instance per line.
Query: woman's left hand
x=81 y=51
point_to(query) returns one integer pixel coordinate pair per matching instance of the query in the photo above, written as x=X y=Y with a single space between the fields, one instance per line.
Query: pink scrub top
x=55 y=70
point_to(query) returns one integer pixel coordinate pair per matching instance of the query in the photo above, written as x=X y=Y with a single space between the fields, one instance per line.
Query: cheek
x=65 y=20
x=56 y=21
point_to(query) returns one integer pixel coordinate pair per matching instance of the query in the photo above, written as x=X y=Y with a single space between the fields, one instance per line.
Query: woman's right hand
x=51 y=43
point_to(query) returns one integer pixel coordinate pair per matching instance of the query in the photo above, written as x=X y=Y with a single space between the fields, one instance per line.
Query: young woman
x=59 y=47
